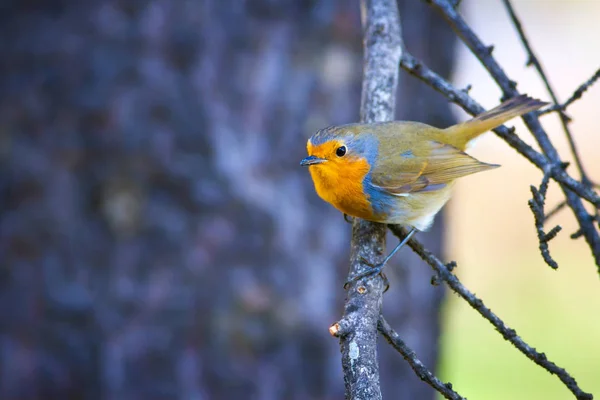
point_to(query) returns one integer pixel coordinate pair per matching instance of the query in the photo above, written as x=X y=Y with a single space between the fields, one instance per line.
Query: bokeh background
x=158 y=239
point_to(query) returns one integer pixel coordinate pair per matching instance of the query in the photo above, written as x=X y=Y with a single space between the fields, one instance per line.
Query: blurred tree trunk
x=157 y=237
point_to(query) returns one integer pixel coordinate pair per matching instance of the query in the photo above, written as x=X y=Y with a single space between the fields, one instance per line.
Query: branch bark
x=382 y=44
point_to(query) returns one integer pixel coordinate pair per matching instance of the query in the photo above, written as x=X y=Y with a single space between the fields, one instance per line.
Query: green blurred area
x=553 y=311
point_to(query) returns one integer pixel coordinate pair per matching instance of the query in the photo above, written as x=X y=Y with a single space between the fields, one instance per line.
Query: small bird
x=399 y=172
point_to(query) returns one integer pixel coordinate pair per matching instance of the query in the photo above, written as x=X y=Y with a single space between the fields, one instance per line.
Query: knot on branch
x=341 y=328
x=379 y=28
x=531 y=60
x=561 y=166
x=509 y=334
x=437 y=278
x=451 y=265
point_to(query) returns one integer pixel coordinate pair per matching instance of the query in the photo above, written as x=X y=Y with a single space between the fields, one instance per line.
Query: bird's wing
x=430 y=168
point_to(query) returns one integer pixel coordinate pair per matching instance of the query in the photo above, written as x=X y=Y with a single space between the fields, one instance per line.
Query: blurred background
x=158 y=239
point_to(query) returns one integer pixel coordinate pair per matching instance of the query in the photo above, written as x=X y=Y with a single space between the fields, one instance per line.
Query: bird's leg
x=348 y=218
x=377 y=269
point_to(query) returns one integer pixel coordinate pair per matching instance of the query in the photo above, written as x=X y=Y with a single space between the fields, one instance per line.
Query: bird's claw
x=348 y=218
x=368 y=263
x=374 y=270
x=377 y=268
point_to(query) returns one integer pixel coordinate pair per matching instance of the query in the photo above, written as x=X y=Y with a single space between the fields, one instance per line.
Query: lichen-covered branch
x=443 y=272
x=421 y=370
x=358 y=326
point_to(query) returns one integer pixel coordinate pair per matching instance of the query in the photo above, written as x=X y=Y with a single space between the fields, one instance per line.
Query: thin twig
x=536 y=204
x=533 y=60
x=507 y=333
x=409 y=355
x=418 y=69
x=581 y=89
x=484 y=54
x=575 y=96
x=357 y=329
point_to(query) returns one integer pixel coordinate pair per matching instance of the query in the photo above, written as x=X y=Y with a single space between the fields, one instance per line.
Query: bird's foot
x=348 y=218
x=376 y=269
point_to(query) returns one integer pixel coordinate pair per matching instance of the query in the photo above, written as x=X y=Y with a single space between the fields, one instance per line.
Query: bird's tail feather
x=462 y=133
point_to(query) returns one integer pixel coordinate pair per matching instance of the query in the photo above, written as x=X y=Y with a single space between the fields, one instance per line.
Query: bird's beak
x=312 y=160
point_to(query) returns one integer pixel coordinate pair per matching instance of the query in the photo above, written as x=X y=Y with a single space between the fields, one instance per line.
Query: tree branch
x=442 y=271
x=533 y=60
x=357 y=329
x=484 y=54
x=422 y=372
x=460 y=97
x=576 y=94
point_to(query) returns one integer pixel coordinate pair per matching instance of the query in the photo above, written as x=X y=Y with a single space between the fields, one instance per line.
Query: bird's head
x=339 y=153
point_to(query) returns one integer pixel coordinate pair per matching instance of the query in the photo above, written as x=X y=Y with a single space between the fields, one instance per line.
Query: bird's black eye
x=341 y=151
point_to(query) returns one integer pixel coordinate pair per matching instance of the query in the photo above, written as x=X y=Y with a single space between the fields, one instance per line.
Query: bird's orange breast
x=340 y=183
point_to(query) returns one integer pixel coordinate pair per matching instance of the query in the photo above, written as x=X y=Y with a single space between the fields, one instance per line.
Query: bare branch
x=533 y=60
x=461 y=98
x=484 y=54
x=536 y=204
x=422 y=372
x=507 y=333
x=575 y=96
x=358 y=326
